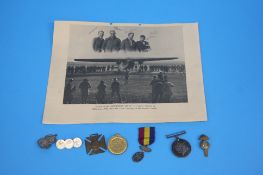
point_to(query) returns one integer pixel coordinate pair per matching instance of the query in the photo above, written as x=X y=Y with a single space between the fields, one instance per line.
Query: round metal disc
x=117 y=144
x=60 y=144
x=77 y=142
x=181 y=148
x=138 y=156
x=69 y=143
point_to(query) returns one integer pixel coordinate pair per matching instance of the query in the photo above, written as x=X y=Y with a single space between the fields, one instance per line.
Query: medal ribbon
x=146 y=135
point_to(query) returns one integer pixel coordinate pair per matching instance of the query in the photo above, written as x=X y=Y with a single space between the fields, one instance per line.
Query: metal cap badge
x=47 y=141
x=204 y=144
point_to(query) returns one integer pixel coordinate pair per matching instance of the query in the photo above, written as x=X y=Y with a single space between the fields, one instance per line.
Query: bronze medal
x=146 y=137
x=138 y=156
x=95 y=144
x=180 y=147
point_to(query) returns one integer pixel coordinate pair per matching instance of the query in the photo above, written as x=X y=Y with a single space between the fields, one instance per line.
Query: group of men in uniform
x=114 y=44
x=84 y=87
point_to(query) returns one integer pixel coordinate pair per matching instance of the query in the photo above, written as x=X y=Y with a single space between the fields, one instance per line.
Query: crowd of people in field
x=82 y=69
x=161 y=90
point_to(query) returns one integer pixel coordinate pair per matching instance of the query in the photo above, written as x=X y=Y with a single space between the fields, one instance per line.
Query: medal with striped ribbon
x=146 y=135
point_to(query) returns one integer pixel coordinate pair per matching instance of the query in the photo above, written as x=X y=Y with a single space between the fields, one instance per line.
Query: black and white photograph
x=124 y=72
x=123 y=67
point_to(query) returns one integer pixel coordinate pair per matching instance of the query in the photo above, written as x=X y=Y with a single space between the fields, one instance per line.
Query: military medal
x=95 y=144
x=180 y=147
x=204 y=144
x=117 y=144
x=138 y=156
x=146 y=137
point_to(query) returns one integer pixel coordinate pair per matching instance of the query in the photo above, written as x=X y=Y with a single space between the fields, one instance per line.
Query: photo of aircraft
x=124 y=64
x=134 y=76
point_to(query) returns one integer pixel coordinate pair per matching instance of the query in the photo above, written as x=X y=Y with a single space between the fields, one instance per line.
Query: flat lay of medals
x=117 y=144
